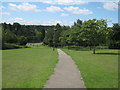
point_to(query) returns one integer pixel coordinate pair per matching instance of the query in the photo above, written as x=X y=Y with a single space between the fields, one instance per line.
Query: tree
x=48 y=40
x=16 y=27
x=39 y=36
x=115 y=36
x=9 y=37
x=94 y=32
x=78 y=23
x=22 y=40
x=64 y=37
x=57 y=31
x=75 y=37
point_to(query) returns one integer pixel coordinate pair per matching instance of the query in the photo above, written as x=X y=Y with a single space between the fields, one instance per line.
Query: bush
x=10 y=46
x=22 y=40
x=114 y=46
x=101 y=47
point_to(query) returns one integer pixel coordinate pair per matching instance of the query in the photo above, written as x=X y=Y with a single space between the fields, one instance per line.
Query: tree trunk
x=90 y=47
x=94 y=50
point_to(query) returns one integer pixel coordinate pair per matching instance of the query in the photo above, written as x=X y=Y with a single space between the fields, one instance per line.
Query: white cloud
x=24 y=7
x=13 y=6
x=110 y=5
x=71 y=8
x=4 y=13
x=2 y=7
x=36 y=22
x=18 y=20
x=51 y=22
x=39 y=22
x=53 y=9
x=64 y=2
x=48 y=22
x=77 y=10
x=64 y=14
x=12 y=20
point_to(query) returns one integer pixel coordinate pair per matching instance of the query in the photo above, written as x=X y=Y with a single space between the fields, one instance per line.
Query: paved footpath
x=66 y=74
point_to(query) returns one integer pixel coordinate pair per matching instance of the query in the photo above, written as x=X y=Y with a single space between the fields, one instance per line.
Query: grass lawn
x=28 y=67
x=98 y=70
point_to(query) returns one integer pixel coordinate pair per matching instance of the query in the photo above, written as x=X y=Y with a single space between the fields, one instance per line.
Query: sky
x=50 y=12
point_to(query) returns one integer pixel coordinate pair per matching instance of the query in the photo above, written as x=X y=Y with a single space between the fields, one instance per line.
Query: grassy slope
x=98 y=70
x=28 y=68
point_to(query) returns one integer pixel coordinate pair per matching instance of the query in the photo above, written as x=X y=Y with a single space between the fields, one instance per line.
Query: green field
x=31 y=67
x=28 y=67
x=98 y=70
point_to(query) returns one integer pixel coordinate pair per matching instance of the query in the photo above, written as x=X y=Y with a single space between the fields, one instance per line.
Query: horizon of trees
x=15 y=35
x=90 y=33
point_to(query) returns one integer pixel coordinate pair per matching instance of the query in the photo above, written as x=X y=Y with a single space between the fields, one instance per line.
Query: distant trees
x=52 y=37
x=22 y=40
x=115 y=36
x=39 y=36
x=48 y=40
x=21 y=34
x=90 y=33
x=57 y=31
x=8 y=36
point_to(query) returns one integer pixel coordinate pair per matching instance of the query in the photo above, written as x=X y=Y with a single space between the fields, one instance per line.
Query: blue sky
x=52 y=12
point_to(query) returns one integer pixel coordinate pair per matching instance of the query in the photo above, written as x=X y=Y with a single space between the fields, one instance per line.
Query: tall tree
x=115 y=37
x=56 y=34
x=39 y=36
x=48 y=40
x=94 y=31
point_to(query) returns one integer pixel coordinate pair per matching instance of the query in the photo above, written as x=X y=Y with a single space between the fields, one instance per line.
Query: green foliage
x=49 y=37
x=22 y=40
x=94 y=32
x=8 y=37
x=88 y=33
x=13 y=33
x=116 y=31
x=52 y=37
x=63 y=38
x=115 y=37
x=10 y=46
x=83 y=33
x=78 y=23
x=57 y=31
x=39 y=36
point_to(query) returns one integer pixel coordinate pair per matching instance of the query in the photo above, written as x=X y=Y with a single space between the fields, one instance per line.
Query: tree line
x=90 y=33
x=16 y=35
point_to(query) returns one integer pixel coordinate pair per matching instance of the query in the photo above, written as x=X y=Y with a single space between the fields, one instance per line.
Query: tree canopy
x=90 y=33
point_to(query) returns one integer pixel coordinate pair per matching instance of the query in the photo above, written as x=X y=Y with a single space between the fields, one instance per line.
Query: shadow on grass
x=79 y=49
x=109 y=53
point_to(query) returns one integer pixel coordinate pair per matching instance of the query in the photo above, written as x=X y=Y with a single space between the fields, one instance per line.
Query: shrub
x=22 y=40
x=10 y=46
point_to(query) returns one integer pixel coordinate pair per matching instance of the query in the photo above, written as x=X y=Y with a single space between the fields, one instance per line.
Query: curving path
x=66 y=74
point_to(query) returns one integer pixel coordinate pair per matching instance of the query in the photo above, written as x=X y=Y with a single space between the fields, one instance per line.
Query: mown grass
x=28 y=67
x=98 y=70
